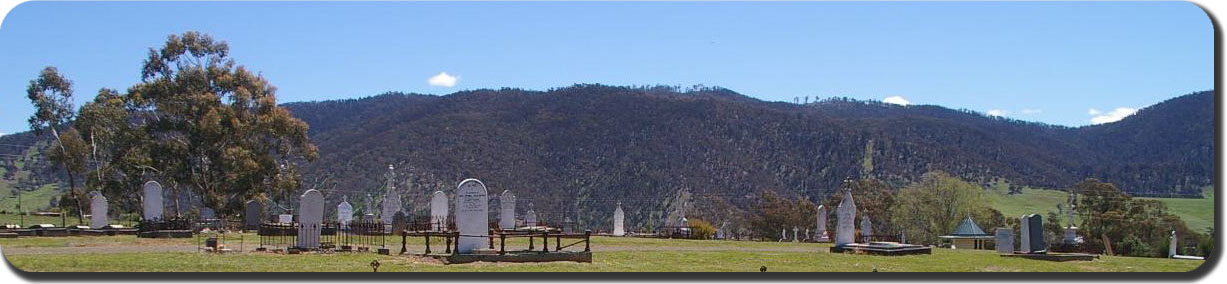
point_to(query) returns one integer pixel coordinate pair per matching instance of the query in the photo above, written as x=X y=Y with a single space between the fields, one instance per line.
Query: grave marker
x=345 y=212
x=845 y=223
x=618 y=229
x=530 y=218
x=822 y=234
x=866 y=228
x=253 y=213
x=507 y=212
x=310 y=219
x=438 y=211
x=98 y=210
x=151 y=201
x=472 y=215
x=1005 y=240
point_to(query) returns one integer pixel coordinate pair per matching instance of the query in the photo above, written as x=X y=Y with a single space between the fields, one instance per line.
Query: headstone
x=618 y=229
x=794 y=234
x=845 y=223
x=783 y=234
x=97 y=210
x=822 y=234
x=807 y=237
x=252 y=214
x=1171 y=245
x=866 y=228
x=720 y=231
x=1032 y=234
x=438 y=211
x=207 y=213
x=399 y=223
x=345 y=212
x=566 y=226
x=507 y=212
x=151 y=201
x=530 y=218
x=1005 y=240
x=391 y=198
x=472 y=215
x=310 y=219
x=285 y=218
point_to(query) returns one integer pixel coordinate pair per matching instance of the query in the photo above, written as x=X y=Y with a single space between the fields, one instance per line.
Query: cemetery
x=459 y=230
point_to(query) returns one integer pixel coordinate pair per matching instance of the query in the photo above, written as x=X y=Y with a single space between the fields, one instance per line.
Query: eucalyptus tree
x=51 y=95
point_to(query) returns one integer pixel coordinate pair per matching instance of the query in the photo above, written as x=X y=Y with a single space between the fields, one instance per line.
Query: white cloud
x=443 y=80
x=1116 y=114
x=1092 y=112
x=1031 y=111
x=997 y=112
x=896 y=100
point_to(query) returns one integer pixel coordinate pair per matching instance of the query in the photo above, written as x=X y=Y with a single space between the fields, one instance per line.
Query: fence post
x=457 y=249
x=502 y=243
x=558 y=242
x=427 y=242
x=530 y=243
x=491 y=242
x=403 y=239
x=587 y=240
x=545 y=242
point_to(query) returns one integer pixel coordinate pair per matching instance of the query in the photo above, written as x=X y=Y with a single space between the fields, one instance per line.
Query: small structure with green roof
x=968 y=235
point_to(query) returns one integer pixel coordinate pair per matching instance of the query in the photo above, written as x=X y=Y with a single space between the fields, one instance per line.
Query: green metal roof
x=968 y=228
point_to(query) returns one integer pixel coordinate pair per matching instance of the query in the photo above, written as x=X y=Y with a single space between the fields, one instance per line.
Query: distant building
x=968 y=235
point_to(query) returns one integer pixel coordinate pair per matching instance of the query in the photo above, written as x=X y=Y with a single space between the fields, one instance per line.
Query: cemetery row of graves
x=465 y=233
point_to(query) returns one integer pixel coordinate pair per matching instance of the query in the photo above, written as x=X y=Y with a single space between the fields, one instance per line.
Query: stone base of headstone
x=580 y=256
x=1054 y=256
x=7 y=235
x=292 y=251
x=882 y=248
x=385 y=251
x=165 y=234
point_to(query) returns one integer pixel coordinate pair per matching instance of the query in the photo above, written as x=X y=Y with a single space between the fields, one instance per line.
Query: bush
x=1133 y=246
x=700 y=229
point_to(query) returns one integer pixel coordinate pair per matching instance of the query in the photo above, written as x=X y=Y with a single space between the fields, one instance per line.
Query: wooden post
x=545 y=242
x=558 y=242
x=491 y=235
x=502 y=244
x=530 y=243
x=427 y=242
x=403 y=238
x=587 y=242
x=457 y=249
x=449 y=244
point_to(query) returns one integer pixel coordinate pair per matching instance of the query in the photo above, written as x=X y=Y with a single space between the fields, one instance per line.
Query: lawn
x=610 y=254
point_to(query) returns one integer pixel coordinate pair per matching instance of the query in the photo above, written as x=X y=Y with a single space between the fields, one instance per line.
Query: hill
x=585 y=147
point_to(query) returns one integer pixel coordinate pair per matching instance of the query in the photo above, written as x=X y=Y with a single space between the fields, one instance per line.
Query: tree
x=1135 y=226
x=212 y=127
x=873 y=198
x=934 y=206
x=51 y=95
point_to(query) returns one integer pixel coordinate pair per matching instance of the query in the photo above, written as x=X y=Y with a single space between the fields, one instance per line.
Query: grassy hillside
x=38 y=199
x=1198 y=214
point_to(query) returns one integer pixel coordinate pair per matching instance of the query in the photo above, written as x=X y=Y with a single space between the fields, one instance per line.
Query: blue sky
x=1059 y=63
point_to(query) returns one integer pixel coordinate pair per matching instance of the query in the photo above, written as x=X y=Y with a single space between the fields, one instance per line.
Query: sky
x=1070 y=64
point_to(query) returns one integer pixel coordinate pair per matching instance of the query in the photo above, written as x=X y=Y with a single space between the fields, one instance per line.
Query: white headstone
x=822 y=223
x=97 y=210
x=285 y=218
x=618 y=229
x=310 y=219
x=1171 y=246
x=794 y=234
x=472 y=215
x=345 y=212
x=720 y=235
x=783 y=234
x=391 y=199
x=151 y=201
x=530 y=218
x=438 y=211
x=1005 y=240
x=845 y=223
x=866 y=228
x=507 y=212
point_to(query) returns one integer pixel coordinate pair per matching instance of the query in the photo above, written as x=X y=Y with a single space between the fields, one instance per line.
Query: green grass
x=1198 y=214
x=621 y=254
x=38 y=199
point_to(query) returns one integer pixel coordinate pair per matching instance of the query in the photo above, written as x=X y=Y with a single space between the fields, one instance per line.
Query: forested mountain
x=580 y=149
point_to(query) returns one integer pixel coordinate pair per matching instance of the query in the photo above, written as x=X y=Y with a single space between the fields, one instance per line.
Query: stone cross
x=438 y=211
x=310 y=219
x=151 y=201
x=845 y=224
x=507 y=212
x=472 y=215
x=97 y=210
x=618 y=229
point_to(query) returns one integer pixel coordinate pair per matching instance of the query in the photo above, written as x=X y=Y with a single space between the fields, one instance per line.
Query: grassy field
x=610 y=254
x=1198 y=214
